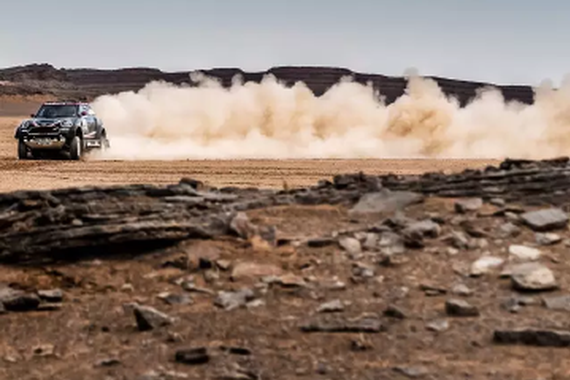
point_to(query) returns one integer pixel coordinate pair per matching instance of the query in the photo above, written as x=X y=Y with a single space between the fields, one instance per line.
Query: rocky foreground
x=362 y=277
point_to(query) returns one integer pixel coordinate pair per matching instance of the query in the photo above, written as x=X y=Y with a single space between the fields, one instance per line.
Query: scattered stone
x=498 y=202
x=523 y=253
x=193 y=356
x=255 y=304
x=370 y=241
x=341 y=325
x=512 y=216
x=457 y=240
x=472 y=230
x=361 y=344
x=432 y=290
x=108 y=362
x=460 y=308
x=175 y=299
x=509 y=230
x=331 y=307
x=385 y=201
x=463 y=206
x=439 y=325
x=425 y=228
x=557 y=302
x=350 y=245
x=233 y=300
x=53 y=295
x=18 y=300
x=287 y=281
x=532 y=277
x=360 y=270
x=224 y=264
x=321 y=242
x=190 y=286
x=462 y=290
x=532 y=337
x=250 y=270
x=547 y=238
x=148 y=318
x=546 y=219
x=333 y=284
x=43 y=350
x=452 y=251
x=411 y=372
x=393 y=311
x=242 y=226
x=485 y=265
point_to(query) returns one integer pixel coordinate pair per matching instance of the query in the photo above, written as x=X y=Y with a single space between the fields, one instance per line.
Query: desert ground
x=48 y=174
x=462 y=275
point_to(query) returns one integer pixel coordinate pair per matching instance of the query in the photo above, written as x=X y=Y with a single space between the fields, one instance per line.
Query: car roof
x=65 y=103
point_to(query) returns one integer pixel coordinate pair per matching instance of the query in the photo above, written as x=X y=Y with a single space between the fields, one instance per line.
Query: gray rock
x=457 y=240
x=547 y=238
x=18 y=300
x=485 y=264
x=532 y=337
x=242 y=227
x=321 y=242
x=148 y=318
x=432 y=290
x=412 y=372
x=331 y=307
x=509 y=230
x=53 y=295
x=545 y=219
x=462 y=290
x=427 y=228
x=499 y=202
x=460 y=308
x=350 y=245
x=393 y=311
x=343 y=325
x=557 y=302
x=175 y=299
x=233 y=300
x=385 y=201
x=192 y=356
x=468 y=205
x=524 y=253
x=250 y=270
x=532 y=277
x=439 y=325
x=370 y=241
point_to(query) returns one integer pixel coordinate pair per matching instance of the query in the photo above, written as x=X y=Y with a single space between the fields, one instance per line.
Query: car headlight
x=66 y=124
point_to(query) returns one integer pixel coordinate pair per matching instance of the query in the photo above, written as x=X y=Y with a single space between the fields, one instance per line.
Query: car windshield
x=55 y=111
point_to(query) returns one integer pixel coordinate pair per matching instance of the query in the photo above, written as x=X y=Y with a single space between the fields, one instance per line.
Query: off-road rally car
x=65 y=127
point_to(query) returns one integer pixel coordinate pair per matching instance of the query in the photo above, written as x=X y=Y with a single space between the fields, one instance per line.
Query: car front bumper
x=44 y=141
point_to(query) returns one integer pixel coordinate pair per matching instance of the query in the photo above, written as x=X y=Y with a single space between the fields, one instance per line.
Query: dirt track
x=19 y=175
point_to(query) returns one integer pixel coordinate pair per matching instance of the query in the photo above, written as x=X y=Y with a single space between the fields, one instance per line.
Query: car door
x=90 y=121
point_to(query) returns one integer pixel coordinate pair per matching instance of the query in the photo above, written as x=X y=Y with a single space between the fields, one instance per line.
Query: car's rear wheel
x=22 y=150
x=75 y=148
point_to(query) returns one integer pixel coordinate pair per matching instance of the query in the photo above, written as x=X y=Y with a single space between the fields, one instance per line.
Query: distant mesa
x=45 y=79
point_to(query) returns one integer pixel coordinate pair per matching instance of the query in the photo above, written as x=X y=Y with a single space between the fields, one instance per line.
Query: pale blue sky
x=505 y=41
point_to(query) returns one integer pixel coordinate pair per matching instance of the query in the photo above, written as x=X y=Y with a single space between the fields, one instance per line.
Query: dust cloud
x=269 y=120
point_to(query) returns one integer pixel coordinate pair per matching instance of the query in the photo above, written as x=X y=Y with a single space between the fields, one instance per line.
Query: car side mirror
x=33 y=115
x=83 y=113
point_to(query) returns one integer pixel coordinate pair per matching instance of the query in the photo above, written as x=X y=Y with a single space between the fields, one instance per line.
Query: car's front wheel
x=22 y=150
x=75 y=148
